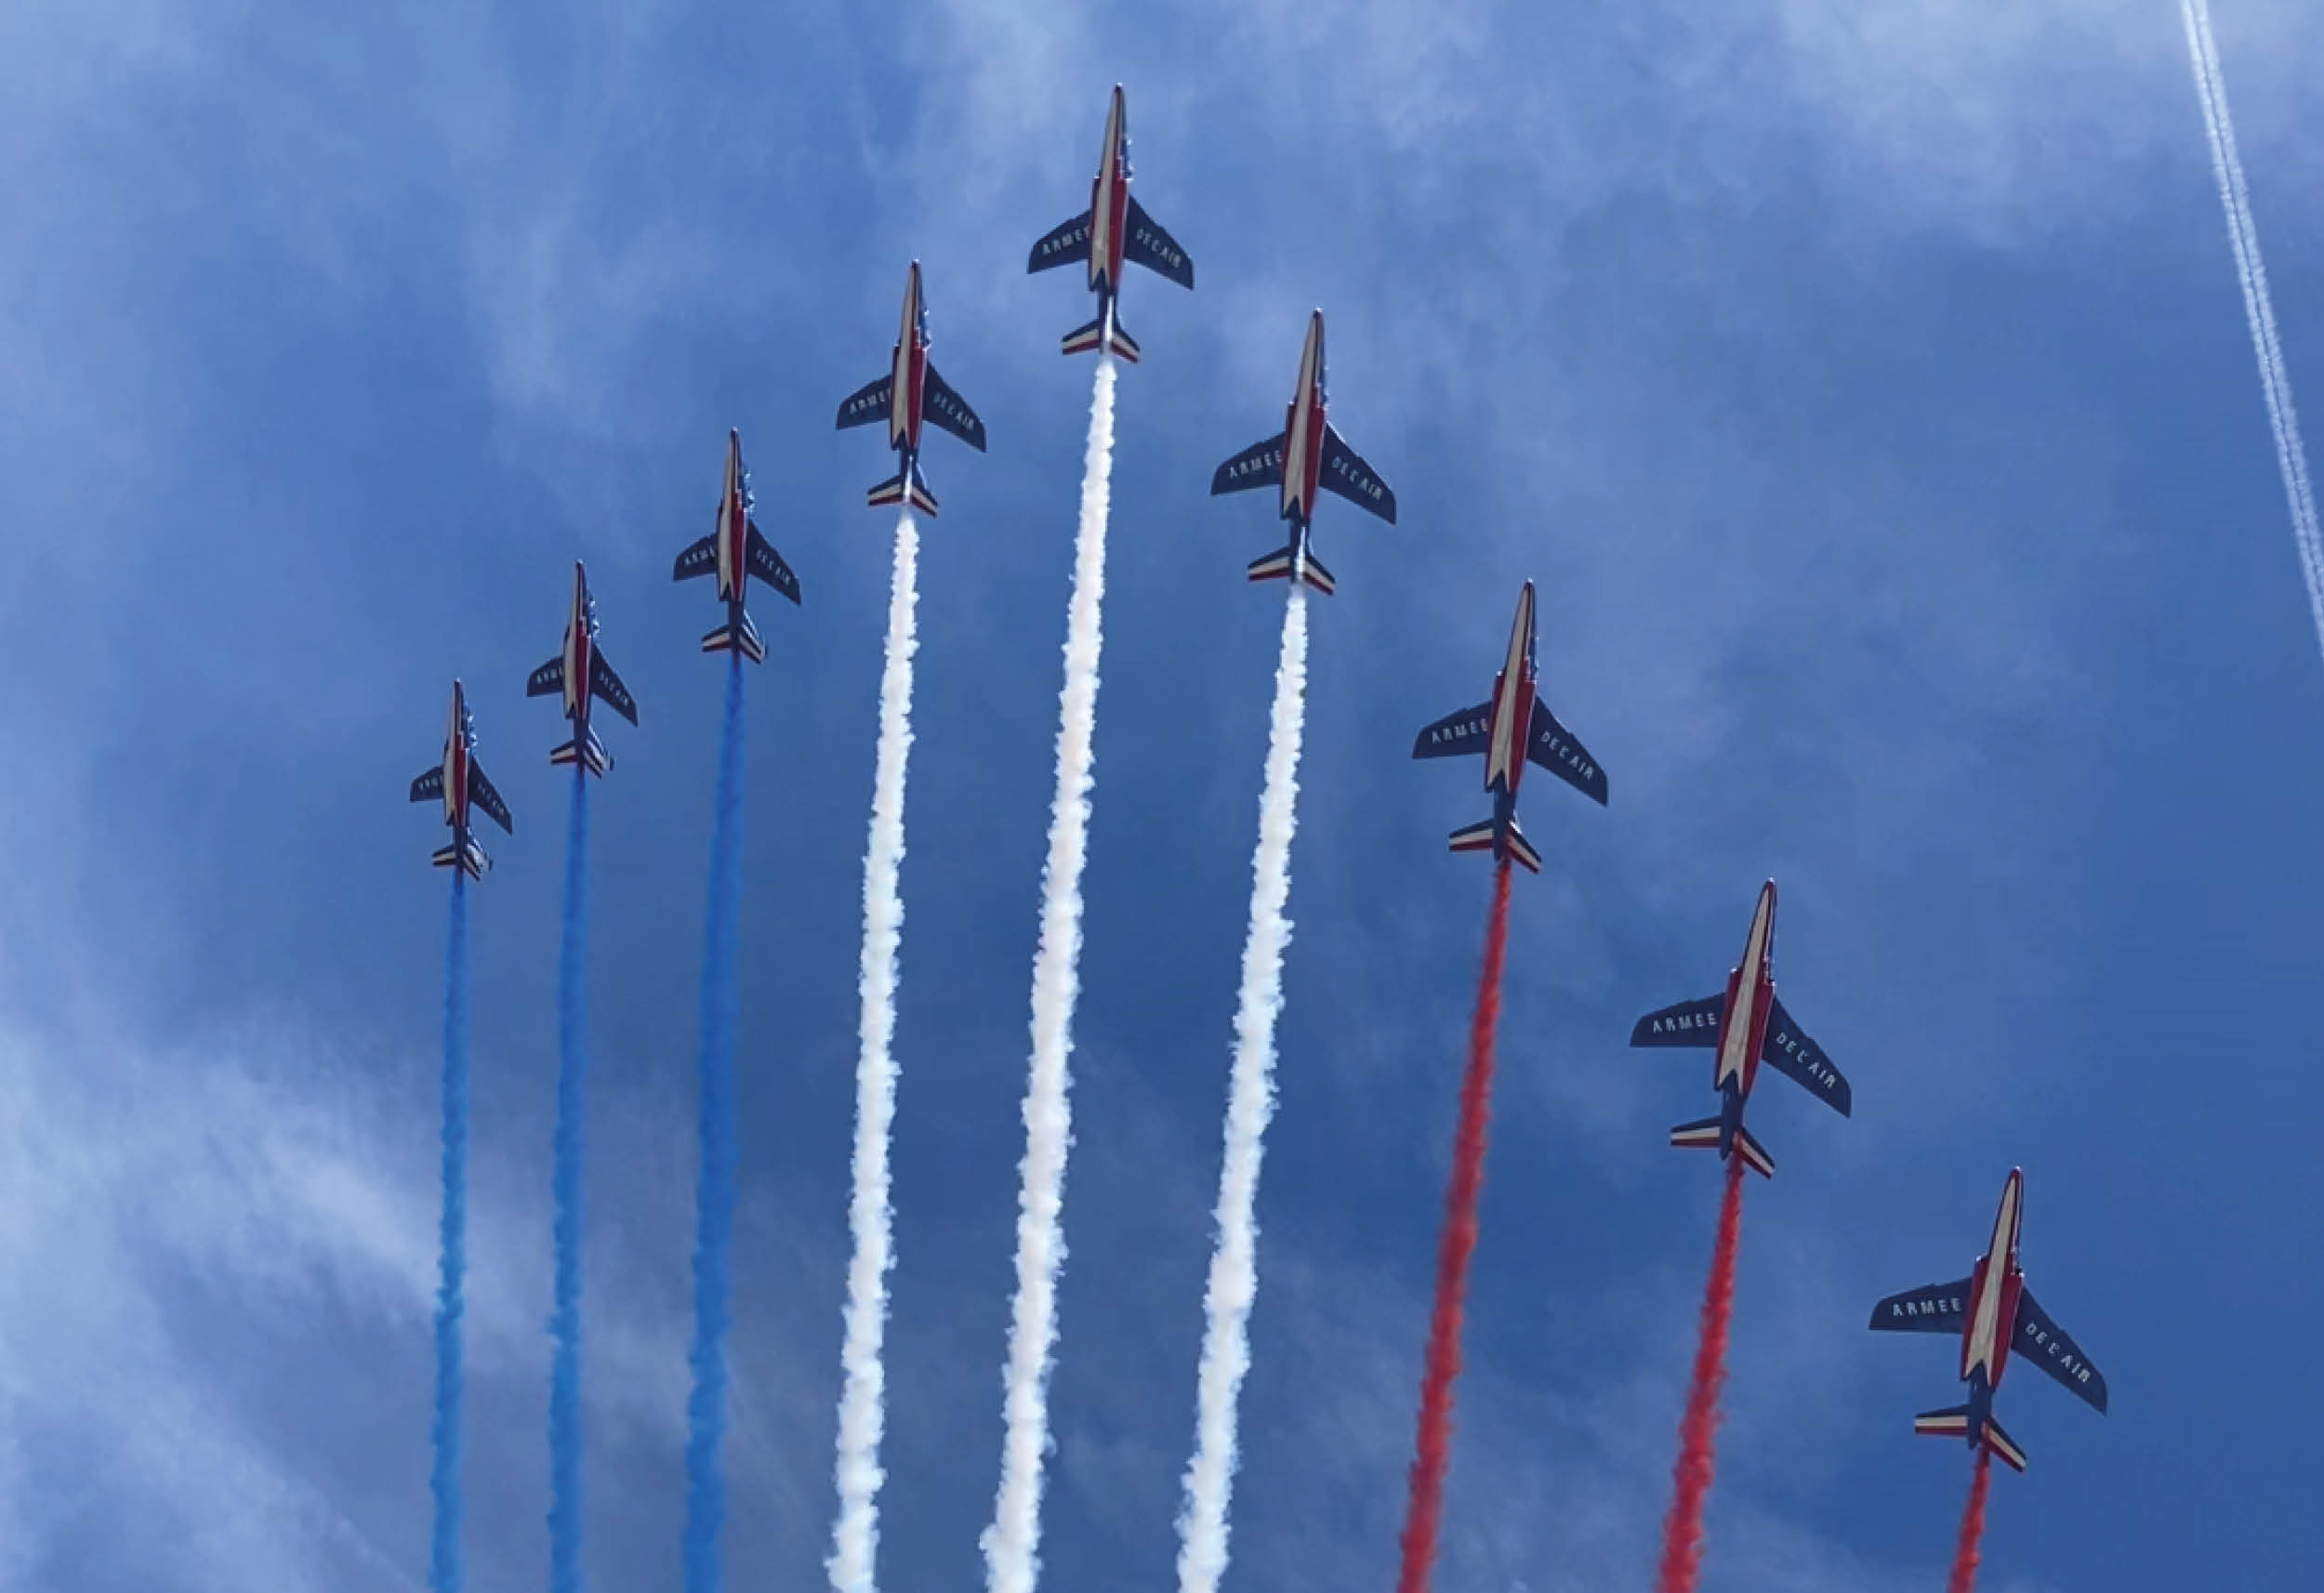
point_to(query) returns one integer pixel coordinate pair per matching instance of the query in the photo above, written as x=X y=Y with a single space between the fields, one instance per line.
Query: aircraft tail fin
x=470 y=858
x=1953 y=1422
x=737 y=635
x=1478 y=837
x=1277 y=566
x=1099 y=337
x=2001 y=1443
x=1703 y=1135
x=902 y=485
x=586 y=750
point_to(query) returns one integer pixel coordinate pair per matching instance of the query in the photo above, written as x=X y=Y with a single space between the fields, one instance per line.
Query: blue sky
x=1871 y=400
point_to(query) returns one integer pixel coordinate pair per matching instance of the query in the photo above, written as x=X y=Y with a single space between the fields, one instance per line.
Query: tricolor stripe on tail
x=738 y=633
x=475 y=862
x=1277 y=566
x=587 y=750
x=1953 y=1422
x=1704 y=1136
x=1478 y=837
x=1087 y=339
x=893 y=489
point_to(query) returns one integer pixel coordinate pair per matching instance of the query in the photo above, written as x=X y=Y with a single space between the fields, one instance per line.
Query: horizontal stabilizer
x=590 y=752
x=1096 y=338
x=738 y=635
x=892 y=491
x=474 y=861
x=1950 y=1422
x=1277 y=566
x=1521 y=849
x=2004 y=1445
x=1702 y=1135
x=1953 y=1422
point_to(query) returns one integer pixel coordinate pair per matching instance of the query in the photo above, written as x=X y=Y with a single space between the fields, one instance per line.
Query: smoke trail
x=1964 y=1576
x=564 y=1322
x=714 y=1212
x=1250 y=1102
x=2259 y=309
x=855 y=1537
x=1010 y=1542
x=445 y=1569
x=1433 y=1452
x=1683 y=1530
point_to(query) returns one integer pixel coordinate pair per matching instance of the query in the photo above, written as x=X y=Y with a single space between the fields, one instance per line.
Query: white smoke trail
x=1010 y=1542
x=1250 y=1102
x=2292 y=458
x=855 y=1536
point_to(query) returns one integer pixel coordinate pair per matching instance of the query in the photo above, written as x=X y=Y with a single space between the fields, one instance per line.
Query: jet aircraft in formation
x=1307 y=455
x=911 y=392
x=1744 y=1026
x=460 y=782
x=1115 y=230
x=736 y=551
x=580 y=673
x=1991 y=1310
x=1510 y=727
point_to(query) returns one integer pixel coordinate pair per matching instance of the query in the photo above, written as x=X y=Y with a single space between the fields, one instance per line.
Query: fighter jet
x=1307 y=454
x=1114 y=229
x=909 y=393
x=460 y=783
x=1509 y=727
x=1746 y=1026
x=735 y=551
x=581 y=673
x=1991 y=1308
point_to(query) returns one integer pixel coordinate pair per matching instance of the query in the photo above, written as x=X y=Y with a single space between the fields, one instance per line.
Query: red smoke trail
x=1452 y=1258
x=1683 y=1532
x=1971 y=1527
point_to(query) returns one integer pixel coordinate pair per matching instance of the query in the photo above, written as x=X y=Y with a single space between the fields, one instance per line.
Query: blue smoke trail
x=714 y=1215
x=445 y=1571
x=564 y=1322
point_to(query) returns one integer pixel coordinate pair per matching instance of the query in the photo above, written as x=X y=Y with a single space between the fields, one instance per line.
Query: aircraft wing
x=867 y=403
x=763 y=561
x=2044 y=1343
x=702 y=559
x=1260 y=465
x=1553 y=747
x=608 y=686
x=548 y=677
x=1792 y=1054
x=1932 y=1308
x=1151 y=247
x=1344 y=472
x=428 y=787
x=1688 y=1023
x=1456 y=734
x=1062 y=245
x=481 y=792
x=949 y=410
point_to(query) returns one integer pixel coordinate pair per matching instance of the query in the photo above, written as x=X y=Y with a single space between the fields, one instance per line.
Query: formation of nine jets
x=1991 y=1310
